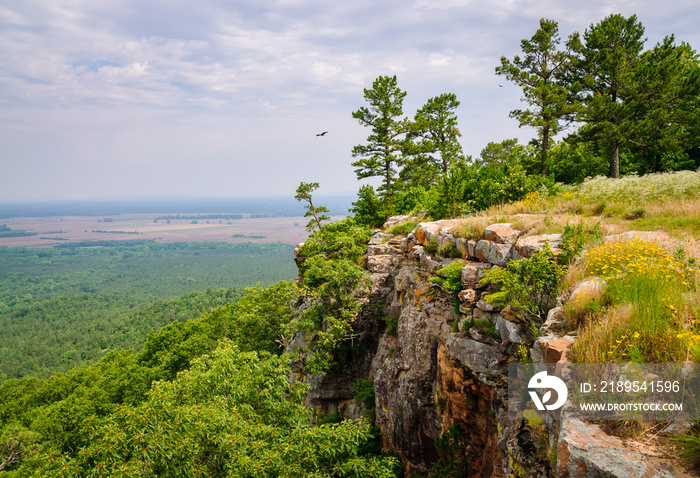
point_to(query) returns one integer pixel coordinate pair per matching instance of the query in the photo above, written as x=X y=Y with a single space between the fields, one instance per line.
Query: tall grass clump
x=650 y=305
x=641 y=189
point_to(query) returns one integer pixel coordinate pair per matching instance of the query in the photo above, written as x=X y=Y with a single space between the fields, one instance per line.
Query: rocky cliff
x=438 y=362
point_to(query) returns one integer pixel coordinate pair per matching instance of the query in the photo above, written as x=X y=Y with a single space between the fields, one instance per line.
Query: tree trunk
x=545 y=147
x=615 y=160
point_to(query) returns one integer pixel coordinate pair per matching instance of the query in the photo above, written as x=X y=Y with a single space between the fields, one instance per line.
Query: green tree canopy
x=432 y=142
x=382 y=153
x=314 y=212
x=606 y=70
x=540 y=73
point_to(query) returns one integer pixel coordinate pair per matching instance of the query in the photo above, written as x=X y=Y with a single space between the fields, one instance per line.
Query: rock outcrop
x=444 y=366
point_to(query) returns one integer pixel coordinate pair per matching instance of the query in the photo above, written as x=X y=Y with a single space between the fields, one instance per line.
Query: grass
x=404 y=228
x=648 y=310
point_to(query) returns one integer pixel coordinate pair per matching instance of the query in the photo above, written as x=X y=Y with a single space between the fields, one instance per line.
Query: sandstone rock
x=468 y=295
x=461 y=246
x=516 y=332
x=556 y=350
x=587 y=290
x=499 y=254
x=481 y=251
x=471 y=248
x=394 y=220
x=381 y=250
x=526 y=246
x=555 y=322
x=379 y=238
x=381 y=264
x=487 y=307
x=480 y=336
x=501 y=233
x=584 y=450
x=472 y=272
x=478 y=356
x=479 y=314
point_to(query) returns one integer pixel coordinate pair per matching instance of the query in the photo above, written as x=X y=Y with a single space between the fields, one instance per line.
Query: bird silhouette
x=322 y=134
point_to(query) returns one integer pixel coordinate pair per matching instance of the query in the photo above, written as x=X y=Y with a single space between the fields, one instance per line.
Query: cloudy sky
x=219 y=98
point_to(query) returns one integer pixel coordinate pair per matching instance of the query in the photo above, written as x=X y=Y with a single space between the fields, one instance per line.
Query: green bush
x=450 y=276
x=529 y=284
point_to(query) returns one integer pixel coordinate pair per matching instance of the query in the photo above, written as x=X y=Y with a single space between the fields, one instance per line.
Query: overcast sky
x=212 y=98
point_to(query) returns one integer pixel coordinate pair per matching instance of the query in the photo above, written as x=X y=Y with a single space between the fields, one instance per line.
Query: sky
x=223 y=98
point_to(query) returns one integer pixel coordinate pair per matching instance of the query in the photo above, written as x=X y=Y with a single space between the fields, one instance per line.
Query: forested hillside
x=66 y=306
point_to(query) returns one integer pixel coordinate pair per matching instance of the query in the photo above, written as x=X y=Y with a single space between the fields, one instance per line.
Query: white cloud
x=84 y=81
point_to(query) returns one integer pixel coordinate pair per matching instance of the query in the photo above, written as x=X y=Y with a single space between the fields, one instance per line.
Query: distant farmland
x=48 y=231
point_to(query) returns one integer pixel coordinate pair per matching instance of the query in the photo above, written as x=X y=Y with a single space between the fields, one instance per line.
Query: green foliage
x=488 y=327
x=344 y=239
x=506 y=153
x=314 y=212
x=541 y=74
x=332 y=281
x=382 y=153
x=233 y=414
x=364 y=392
x=432 y=142
x=453 y=446
x=392 y=326
x=529 y=284
x=448 y=249
x=403 y=228
x=254 y=323
x=572 y=162
x=688 y=445
x=450 y=276
x=431 y=247
x=368 y=209
x=65 y=306
x=575 y=238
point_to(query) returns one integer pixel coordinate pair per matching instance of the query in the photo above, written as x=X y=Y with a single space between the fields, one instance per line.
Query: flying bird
x=322 y=134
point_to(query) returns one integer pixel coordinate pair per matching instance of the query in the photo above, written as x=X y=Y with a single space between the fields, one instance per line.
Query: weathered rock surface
x=440 y=368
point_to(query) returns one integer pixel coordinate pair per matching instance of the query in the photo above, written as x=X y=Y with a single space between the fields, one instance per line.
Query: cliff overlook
x=452 y=302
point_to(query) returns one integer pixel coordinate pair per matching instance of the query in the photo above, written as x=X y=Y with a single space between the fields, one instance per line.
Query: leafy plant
x=364 y=392
x=453 y=446
x=392 y=325
x=575 y=238
x=450 y=276
x=529 y=284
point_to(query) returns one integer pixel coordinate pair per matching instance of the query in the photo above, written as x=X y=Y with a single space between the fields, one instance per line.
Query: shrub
x=364 y=392
x=450 y=276
x=575 y=238
x=529 y=284
x=404 y=228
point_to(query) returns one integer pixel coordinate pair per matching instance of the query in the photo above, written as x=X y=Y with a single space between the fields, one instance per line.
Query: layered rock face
x=442 y=364
x=432 y=372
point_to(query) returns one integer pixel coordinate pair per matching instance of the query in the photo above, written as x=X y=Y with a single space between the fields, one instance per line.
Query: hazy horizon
x=138 y=98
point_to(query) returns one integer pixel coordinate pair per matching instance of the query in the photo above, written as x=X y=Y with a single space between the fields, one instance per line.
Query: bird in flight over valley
x=322 y=134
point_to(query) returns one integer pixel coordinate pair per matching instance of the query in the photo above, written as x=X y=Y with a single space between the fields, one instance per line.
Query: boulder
x=527 y=246
x=556 y=350
x=481 y=251
x=513 y=327
x=472 y=272
x=478 y=356
x=501 y=233
x=584 y=450
x=499 y=254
